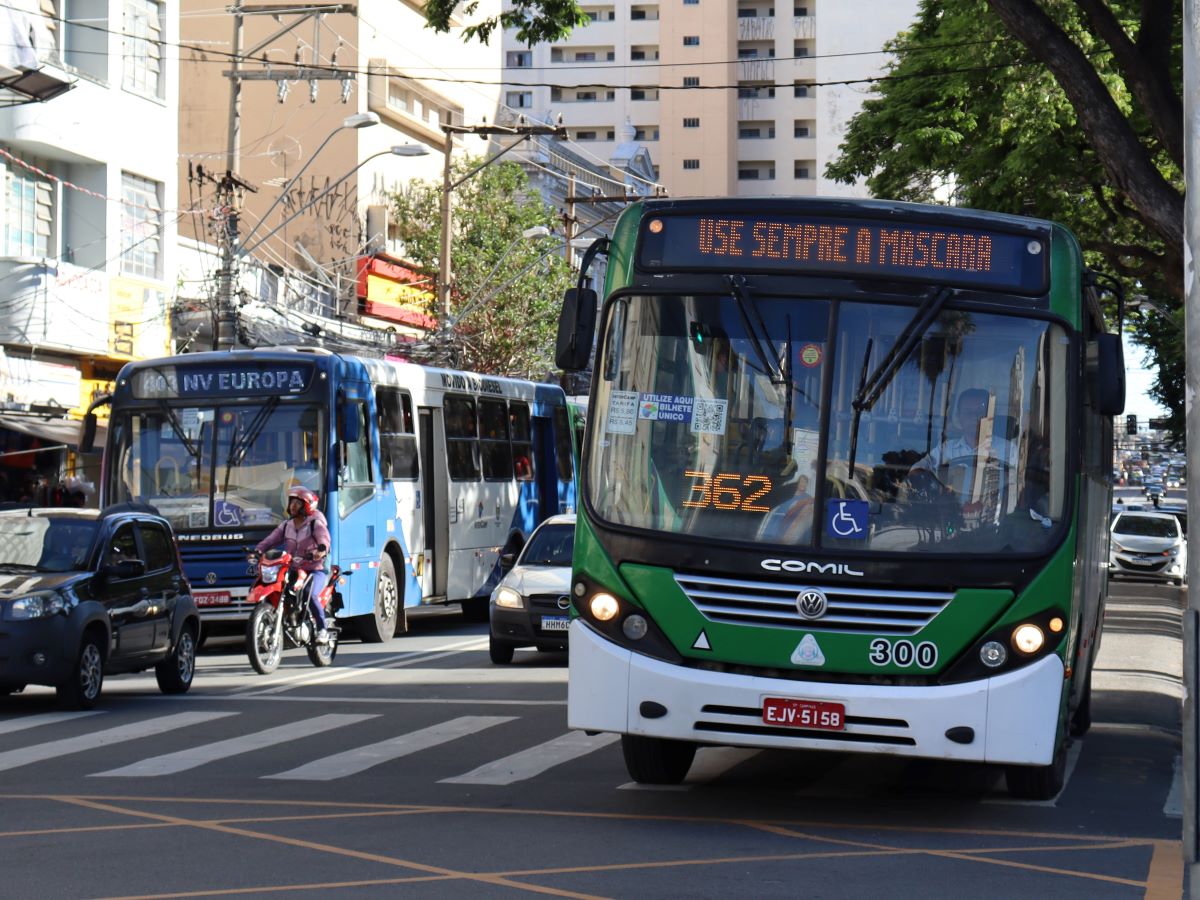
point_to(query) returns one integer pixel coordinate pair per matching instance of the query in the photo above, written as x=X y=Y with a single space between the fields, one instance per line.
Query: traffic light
x=1131 y=424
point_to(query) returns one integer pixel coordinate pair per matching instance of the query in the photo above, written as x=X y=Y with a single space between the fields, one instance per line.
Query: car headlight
x=268 y=574
x=36 y=606
x=507 y=598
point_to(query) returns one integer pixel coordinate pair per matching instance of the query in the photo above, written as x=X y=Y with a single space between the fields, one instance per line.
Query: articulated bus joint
x=622 y=622
x=1010 y=647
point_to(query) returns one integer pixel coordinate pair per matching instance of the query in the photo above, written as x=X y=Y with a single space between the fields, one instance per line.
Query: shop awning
x=55 y=431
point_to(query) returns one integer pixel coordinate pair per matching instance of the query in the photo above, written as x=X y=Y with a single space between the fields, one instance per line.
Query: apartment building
x=731 y=97
x=315 y=156
x=86 y=259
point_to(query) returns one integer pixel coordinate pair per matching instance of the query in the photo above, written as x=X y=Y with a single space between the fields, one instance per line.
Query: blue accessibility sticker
x=847 y=519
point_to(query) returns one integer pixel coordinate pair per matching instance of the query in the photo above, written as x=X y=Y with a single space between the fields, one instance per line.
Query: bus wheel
x=1039 y=782
x=652 y=760
x=380 y=625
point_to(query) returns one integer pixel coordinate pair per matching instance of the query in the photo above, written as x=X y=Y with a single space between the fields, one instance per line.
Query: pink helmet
x=305 y=496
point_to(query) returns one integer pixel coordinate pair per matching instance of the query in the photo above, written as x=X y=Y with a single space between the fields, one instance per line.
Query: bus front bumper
x=1011 y=718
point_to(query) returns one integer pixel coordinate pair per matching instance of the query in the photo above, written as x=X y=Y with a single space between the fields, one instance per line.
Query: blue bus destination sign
x=853 y=247
x=264 y=379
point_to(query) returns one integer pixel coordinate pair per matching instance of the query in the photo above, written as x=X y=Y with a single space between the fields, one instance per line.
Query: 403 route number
x=903 y=653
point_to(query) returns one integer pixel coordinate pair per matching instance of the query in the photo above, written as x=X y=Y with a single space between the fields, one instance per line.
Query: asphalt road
x=418 y=768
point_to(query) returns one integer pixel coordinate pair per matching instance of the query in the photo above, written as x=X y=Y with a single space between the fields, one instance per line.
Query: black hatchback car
x=85 y=593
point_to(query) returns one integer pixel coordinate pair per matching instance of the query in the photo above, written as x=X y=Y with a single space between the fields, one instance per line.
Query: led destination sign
x=851 y=247
x=265 y=379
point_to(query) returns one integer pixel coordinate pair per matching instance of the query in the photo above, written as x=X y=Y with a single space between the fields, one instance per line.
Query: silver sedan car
x=1148 y=545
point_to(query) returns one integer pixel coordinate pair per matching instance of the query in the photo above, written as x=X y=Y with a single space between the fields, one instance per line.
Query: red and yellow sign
x=389 y=290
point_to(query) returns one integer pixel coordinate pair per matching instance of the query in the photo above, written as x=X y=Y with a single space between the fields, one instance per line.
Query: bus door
x=358 y=543
x=435 y=500
x=546 y=466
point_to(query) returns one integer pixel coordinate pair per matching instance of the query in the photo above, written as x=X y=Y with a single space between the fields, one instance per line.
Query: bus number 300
x=903 y=653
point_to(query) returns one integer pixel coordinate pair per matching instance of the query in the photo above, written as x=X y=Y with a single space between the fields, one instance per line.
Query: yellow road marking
x=1165 y=881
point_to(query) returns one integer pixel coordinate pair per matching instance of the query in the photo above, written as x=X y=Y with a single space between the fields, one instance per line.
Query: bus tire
x=1039 y=782
x=380 y=625
x=651 y=760
x=1081 y=719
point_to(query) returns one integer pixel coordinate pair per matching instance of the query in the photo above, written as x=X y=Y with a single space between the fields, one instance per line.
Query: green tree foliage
x=536 y=21
x=1063 y=109
x=507 y=288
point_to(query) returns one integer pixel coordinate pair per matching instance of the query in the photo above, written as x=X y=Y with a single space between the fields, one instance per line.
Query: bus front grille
x=748 y=721
x=849 y=608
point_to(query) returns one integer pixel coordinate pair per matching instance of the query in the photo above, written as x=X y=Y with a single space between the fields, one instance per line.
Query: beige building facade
x=731 y=97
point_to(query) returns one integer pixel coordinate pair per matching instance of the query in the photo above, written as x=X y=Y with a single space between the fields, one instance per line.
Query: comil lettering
x=808 y=567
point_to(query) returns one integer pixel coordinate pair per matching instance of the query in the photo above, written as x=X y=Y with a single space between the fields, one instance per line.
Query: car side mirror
x=125 y=568
x=507 y=561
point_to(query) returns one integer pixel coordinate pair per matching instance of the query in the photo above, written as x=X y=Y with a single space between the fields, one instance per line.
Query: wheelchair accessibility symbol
x=846 y=519
x=227 y=515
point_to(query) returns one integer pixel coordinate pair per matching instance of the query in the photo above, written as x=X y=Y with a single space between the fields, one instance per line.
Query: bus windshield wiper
x=755 y=328
x=872 y=386
x=173 y=420
x=239 y=446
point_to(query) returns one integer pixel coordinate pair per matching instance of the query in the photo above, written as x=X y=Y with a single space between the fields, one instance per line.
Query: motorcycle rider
x=305 y=535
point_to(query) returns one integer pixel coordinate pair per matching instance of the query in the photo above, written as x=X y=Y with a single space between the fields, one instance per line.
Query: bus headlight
x=604 y=607
x=507 y=598
x=1028 y=638
x=993 y=654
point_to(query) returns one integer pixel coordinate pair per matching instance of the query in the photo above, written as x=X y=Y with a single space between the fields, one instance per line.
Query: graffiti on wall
x=327 y=226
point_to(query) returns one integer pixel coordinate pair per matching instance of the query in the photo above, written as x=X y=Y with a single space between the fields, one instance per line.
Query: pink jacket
x=300 y=540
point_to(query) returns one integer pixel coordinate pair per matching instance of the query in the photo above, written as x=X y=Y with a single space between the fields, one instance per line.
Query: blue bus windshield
x=216 y=466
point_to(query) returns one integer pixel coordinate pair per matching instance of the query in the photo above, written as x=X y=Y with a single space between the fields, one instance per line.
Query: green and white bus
x=845 y=484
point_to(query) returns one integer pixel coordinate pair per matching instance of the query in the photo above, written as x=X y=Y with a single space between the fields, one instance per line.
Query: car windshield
x=815 y=434
x=45 y=544
x=551 y=545
x=217 y=467
x=1146 y=526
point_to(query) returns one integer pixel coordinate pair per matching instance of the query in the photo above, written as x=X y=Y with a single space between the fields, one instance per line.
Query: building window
x=645 y=134
x=610 y=135
x=519 y=59
x=585 y=135
x=637 y=54
x=691 y=40
x=141 y=48
x=800 y=11
x=141 y=226
x=637 y=93
x=691 y=123
x=691 y=2
x=801 y=131
x=585 y=56
x=637 y=14
x=519 y=99
x=801 y=170
x=691 y=163
x=800 y=90
x=691 y=81
x=586 y=96
x=29 y=213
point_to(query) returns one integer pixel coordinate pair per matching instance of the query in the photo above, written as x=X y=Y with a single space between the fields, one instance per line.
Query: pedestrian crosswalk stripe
x=11 y=759
x=351 y=762
x=535 y=760
x=194 y=757
x=44 y=719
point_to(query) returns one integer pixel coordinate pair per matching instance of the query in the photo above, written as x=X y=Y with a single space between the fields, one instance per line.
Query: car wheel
x=383 y=622
x=501 y=653
x=175 y=673
x=82 y=689
x=651 y=760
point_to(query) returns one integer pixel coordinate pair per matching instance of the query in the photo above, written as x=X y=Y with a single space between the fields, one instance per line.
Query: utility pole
x=523 y=132
x=1191 y=343
x=568 y=220
x=230 y=187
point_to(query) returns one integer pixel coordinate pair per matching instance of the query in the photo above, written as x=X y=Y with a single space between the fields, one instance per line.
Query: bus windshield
x=216 y=466
x=791 y=422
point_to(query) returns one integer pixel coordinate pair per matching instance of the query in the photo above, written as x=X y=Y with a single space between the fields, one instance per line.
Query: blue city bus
x=426 y=476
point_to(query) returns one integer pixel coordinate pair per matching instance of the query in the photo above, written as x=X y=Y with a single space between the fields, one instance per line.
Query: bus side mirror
x=576 y=330
x=87 y=436
x=349 y=430
x=1108 y=375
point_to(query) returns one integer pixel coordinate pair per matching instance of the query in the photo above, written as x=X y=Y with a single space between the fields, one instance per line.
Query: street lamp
x=1138 y=301
x=358 y=120
x=397 y=150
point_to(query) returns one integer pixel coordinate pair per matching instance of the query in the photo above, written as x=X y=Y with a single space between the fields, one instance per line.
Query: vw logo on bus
x=812 y=603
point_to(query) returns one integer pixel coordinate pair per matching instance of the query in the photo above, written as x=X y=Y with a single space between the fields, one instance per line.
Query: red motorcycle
x=282 y=614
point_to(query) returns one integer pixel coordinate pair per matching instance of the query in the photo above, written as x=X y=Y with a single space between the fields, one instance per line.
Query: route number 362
x=726 y=490
x=903 y=653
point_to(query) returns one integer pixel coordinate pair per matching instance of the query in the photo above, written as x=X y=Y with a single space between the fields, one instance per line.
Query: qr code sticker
x=708 y=416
